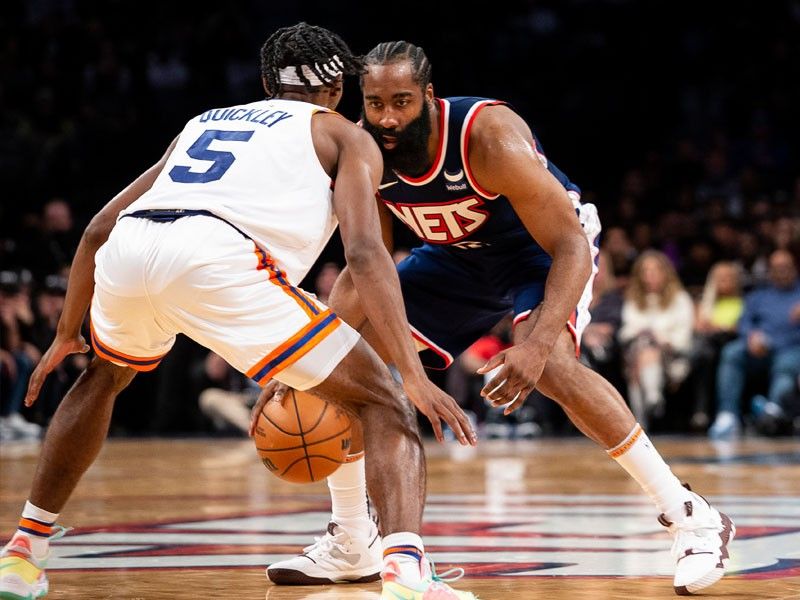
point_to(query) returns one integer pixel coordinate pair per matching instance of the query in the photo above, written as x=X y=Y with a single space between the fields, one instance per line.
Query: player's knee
x=407 y=417
x=103 y=375
x=396 y=411
x=561 y=376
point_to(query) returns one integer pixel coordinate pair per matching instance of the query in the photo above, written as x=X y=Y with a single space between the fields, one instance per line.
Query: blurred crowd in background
x=681 y=125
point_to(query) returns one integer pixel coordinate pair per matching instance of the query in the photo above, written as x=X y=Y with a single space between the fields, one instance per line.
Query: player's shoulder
x=334 y=125
x=467 y=102
x=496 y=119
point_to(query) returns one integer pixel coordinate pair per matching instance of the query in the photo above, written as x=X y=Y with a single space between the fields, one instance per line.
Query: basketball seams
x=286 y=441
x=294 y=462
x=300 y=424
x=302 y=436
x=319 y=419
x=327 y=439
x=278 y=427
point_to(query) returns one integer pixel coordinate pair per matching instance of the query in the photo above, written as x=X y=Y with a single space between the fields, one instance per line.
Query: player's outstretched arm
x=80 y=287
x=504 y=160
x=344 y=298
x=358 y=171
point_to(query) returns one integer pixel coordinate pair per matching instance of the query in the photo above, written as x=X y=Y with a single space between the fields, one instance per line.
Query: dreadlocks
x=392 y=52
x=305 y=45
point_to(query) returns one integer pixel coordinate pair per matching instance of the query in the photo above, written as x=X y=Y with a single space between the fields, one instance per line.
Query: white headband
x=289 y=76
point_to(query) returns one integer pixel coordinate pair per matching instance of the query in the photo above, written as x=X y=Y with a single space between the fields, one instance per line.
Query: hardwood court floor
x=549 y=519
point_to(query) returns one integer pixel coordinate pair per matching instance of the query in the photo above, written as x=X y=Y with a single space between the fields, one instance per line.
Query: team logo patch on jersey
x=458 y=176
x=442 y=223
x=455 y=181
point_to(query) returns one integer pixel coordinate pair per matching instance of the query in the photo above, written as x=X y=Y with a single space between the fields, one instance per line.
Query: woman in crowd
x=656 y=333
x=718 y=313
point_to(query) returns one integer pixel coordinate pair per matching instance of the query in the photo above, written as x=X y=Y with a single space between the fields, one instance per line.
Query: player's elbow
x=362 y=253
x=98 y=230
x=580 y=255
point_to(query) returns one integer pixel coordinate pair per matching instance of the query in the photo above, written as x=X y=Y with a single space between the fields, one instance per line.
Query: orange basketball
x=304 y=439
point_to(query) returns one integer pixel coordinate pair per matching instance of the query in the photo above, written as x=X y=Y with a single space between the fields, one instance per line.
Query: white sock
x=36 y=524
x=405 y=549
x=637 y=455
x=348 y=487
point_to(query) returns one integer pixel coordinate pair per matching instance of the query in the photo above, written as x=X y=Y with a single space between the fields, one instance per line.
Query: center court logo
x=513 y=535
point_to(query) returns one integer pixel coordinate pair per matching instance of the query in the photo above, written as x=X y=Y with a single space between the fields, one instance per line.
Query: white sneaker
x=701 y=545
x=725 y=426
x=23 y=427
x=333 y=558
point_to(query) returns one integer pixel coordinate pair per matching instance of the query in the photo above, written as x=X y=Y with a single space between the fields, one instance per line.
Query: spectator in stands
x=752 y=259
x=768 y=342
x=227 y=396
x=599 y=346
x=47 y=306
x=323 y=284
x=466 y=386
x=657 y=319
x=17 y=357
x=620 y=251
x=718 y=314
x=52 y=242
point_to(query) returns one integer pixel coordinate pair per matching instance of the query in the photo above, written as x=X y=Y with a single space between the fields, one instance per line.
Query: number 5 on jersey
x=221 y=160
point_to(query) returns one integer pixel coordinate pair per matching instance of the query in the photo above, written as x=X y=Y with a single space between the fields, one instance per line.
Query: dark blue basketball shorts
x=453 y=296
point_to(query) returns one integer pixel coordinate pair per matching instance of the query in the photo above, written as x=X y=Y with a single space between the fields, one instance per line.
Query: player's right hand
x=61 y=347
x=274 y=390
x=437 y=405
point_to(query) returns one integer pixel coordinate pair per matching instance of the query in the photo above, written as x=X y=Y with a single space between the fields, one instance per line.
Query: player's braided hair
x=308 y=45
x=392 y=52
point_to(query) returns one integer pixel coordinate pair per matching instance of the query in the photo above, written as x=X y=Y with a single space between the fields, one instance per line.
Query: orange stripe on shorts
x=278 y=277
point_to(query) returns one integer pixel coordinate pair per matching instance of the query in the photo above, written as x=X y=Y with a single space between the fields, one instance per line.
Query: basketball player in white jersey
x=208 y=242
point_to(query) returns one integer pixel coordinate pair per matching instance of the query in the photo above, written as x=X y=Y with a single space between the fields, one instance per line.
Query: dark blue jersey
x=446 y=206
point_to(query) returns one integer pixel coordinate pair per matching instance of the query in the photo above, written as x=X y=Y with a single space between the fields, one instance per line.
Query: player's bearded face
x=410 y=153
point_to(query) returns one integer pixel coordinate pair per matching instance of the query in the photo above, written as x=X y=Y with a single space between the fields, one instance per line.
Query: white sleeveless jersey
x=255 y=166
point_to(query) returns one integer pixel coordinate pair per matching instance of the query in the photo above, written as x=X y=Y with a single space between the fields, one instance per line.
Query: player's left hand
x=61 y=347
x=274 y=391
x=521 y=369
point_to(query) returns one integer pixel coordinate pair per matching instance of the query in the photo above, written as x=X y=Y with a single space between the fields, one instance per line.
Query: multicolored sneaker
x=701 y=545
x=21 y=574
x=430 y=587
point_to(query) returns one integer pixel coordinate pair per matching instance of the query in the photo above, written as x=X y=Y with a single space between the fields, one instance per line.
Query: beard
x=410 y=154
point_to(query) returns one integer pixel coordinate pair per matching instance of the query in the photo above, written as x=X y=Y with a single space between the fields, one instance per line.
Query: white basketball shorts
x=200 y=276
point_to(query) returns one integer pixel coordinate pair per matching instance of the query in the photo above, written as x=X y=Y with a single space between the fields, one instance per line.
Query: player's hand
x=757 y=344
x=57 y=352
x=274 y=391
x=521 y=368
x=437 y=405
x=794 y=313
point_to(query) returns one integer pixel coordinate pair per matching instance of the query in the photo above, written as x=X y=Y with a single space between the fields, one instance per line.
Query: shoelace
x=453 y=574
x=323 y=544
x=58 y=532
x=701 y=540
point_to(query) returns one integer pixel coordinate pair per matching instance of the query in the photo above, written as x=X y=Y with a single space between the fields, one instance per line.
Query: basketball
x=304 y=439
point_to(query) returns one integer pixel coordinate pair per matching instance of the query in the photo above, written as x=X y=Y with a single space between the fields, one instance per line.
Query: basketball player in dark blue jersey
x=503 y=229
